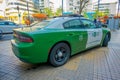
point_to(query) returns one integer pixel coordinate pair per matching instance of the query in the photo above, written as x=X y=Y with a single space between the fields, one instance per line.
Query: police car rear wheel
x=106 y=40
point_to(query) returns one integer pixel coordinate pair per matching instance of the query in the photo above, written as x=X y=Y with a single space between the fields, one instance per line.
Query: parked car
x=57 y=39
x=8 y=26
x=1 y=34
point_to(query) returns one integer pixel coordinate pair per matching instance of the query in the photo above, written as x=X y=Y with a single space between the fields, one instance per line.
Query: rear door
x=94 y=33
x=76 y=35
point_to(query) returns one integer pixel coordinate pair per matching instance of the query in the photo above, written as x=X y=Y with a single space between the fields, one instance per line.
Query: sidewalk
x=100 y=63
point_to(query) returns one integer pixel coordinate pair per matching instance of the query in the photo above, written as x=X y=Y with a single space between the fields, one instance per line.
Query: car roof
x=58 y=21
x=64 y=19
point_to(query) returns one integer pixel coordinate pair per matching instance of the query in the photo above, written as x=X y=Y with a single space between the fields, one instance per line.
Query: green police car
x=57 y=39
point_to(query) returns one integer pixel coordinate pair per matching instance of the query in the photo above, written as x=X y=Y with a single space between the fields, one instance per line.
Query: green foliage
x=85 y=15
x=58 y=12
x=96 y=14
x=48 y=12
x=106 y=11
x=82 y=6
x=100 y=14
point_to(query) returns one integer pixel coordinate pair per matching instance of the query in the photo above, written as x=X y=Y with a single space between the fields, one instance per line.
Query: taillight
x=25 y=39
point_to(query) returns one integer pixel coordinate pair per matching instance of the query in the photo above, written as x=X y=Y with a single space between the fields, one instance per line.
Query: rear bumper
x=28 y=53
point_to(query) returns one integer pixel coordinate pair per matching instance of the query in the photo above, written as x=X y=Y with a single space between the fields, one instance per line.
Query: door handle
x=71 y=34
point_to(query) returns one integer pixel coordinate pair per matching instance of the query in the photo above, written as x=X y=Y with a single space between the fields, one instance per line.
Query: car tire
x=1 y=34
x=59 y=54
x=106 y=40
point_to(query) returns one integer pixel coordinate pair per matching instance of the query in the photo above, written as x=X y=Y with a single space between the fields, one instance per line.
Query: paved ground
x=101 y=63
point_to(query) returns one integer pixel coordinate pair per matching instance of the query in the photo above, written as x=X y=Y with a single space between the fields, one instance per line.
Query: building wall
x=12 y=7
x=51 y=5
x=1 y=1
x=73 y=6
x=2 y=7
x=112 y=7
x=46 y=4
x=41 y=5
x=36 y=5
x=15 y=14
x=89 y=7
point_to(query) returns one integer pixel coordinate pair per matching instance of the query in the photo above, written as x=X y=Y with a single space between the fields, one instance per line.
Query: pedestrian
x=95 y=20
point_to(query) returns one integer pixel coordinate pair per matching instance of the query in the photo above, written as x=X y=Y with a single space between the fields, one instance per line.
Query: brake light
x=25 y=39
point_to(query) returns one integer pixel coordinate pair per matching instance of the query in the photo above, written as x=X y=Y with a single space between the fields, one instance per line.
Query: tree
x=107 y=11
x=85 y=14
x=58 y=12
x=48 y=12
x=83 y=4
x=96 y=14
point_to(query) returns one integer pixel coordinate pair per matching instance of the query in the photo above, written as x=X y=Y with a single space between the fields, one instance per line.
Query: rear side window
x=88 y=24
x=2 y=23
x=73 y=24
x=11 y=23
x=7 y=23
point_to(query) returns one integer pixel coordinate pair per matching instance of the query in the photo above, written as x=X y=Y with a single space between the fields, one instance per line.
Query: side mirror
x=98 y=25
x=104 y=25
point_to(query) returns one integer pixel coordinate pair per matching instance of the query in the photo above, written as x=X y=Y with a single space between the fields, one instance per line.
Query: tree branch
x=83 y=3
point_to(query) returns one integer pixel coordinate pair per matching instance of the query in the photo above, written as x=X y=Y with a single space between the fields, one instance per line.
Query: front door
x=94 y=34
x=76 y=35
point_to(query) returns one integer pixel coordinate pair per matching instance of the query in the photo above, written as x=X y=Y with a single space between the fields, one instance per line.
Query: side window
x=73 y=24
x=6 y=23
x=11 y=23
x=2 y=23
x=88 y=24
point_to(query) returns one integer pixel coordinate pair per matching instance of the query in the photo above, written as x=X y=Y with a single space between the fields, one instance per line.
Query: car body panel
x=44 y=39
x=94 y=37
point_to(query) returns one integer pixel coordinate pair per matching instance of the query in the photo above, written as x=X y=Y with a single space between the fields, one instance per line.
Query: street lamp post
x=18 y=13
x=98 y=5
x=28 y=12
x=118 y=8
x=62 y=7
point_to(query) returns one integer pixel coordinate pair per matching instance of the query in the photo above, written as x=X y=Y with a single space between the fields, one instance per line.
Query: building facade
x=1 y=1
x=14 y=5
x=46 y=4
x=16 y=9
x=2 y=8
x=43 y=4
x=111 y=7
x=73 y=6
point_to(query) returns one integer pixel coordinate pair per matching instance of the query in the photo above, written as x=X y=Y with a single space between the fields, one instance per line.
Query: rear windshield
x=46 y=23
x=42 y=24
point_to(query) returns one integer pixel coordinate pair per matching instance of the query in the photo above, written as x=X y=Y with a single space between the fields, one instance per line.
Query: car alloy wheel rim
x=60 y=54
